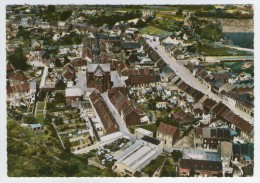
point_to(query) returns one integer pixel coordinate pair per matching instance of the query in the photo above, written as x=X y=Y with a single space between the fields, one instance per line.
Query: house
x=131 y=113
x=225 y=149
x=248 y=170
x=142 y=80
x=206 y=137
x=243 y=153
x=140 y=132
x=182 y=117
x=24 y=22
x=167 y=134
x=244 y=129
x=245 y=103
x=178 y=54
x=73 y=94
x=161 y=105
x=222 y=76
x=104 y=113
x=17 y=77
x=137 y=156
x=200 y=168
x=36 y=127
x=21 y=93
x=79 y=64
x=172 y=40
x=200 y=164
x=9 y=68
x=243 y=76
x=68 y=73
x=35 y=44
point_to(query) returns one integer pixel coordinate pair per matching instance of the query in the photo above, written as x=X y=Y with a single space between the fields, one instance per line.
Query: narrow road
x=119 y=120
x=240 y=48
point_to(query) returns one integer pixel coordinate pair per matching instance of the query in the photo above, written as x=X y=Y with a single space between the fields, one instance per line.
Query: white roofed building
x=73 y=95
x=137 y=156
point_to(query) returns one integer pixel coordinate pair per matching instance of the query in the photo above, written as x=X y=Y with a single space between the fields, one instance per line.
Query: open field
x=154 y=31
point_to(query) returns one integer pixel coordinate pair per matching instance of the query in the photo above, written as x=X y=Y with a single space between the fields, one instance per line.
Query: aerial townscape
x=130 y=90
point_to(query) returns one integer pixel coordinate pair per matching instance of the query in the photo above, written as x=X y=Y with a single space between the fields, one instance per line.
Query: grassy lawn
x=153 y=31
x=170 y=16
x=39 y=117
x=169 y=169
x=154 y=165
x=40 y=105
x=236 y=67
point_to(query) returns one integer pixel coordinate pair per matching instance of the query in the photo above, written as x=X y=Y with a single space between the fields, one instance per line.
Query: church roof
x=99 y=71
x=93 y=67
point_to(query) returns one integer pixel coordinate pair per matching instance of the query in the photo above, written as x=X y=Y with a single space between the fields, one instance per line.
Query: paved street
x=117 y=82
x=187 y=77
x=120 y=122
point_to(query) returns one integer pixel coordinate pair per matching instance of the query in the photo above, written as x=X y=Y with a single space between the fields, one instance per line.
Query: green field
x=39 y=117
x=154 y=165
x=169 y=169
x=152 y=30
x=211 y=51
x=40 y=105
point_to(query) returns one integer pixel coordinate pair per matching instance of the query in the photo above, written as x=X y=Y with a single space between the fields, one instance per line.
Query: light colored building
x=137 y=156
x=225 y=149
x=161 y=105
x=140 y=132
x=168 y=134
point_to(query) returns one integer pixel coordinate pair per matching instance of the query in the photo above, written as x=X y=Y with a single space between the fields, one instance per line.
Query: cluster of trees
x=218 y=13
x=211 y=32
x=50 y=14
x=18 y=60
x=25 y=34
x=99 y=20
x=69 y=39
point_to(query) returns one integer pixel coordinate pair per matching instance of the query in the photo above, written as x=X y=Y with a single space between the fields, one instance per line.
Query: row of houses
x=242 y=100
x=220 y=110
x=130 y=112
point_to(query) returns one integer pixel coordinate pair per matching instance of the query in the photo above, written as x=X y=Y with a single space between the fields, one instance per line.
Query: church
x=98 y=74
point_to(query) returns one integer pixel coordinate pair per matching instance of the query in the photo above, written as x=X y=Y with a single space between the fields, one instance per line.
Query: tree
x=30 y=119
x=18 y=60
x=179 y=12
x=65 y=15
x=22 y=33
x=51 y=9
x=176 y=154
x=192 y=171
x=58 y=63
x=140 y=23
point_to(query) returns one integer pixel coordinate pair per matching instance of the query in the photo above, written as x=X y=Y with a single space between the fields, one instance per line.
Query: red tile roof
x=104 y=113
x=18 y=75
x=18 y=88
x=167 y=129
